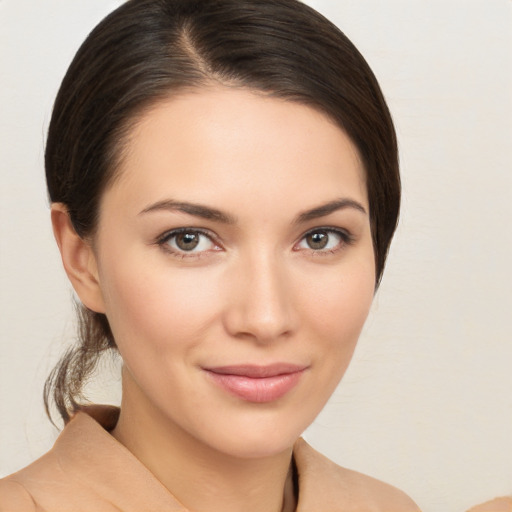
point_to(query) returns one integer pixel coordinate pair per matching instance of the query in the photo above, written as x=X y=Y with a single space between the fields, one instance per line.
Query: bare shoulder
x=14 y=497
x=323 y=482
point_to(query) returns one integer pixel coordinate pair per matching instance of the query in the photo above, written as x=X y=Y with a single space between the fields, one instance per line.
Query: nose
x=261 y=303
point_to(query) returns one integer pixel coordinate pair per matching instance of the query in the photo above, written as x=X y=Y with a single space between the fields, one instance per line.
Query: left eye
x=321 y=240
x=188 y=240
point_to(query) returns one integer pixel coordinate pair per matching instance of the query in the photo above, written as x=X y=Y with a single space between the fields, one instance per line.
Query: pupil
x=187 y=241
x=318 y=240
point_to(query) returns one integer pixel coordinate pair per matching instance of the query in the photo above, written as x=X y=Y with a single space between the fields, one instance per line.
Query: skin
x=254 y=291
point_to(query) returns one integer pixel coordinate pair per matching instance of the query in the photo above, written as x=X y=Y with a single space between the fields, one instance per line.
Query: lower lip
x=258 y=390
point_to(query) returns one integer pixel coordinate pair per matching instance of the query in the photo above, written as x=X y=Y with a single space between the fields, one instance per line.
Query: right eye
x=187 y=242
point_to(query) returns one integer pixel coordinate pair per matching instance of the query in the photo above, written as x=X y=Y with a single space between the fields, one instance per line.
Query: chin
x=258 y=437
x=259 y=447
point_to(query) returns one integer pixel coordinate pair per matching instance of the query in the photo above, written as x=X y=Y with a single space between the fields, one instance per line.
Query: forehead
x=207 y=142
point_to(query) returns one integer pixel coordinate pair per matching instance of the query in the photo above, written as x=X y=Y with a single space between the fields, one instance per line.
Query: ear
x=78 y=259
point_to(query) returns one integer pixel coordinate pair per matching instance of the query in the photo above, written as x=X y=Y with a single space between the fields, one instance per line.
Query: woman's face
x=236 y=266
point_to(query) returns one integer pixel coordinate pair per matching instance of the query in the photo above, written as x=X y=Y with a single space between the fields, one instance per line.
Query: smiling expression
x=236 y=266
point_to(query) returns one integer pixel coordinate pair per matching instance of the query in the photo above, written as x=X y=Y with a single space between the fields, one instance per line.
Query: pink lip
x=257 y=383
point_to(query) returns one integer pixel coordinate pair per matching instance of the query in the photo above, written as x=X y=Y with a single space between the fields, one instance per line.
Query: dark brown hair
x=147 y=50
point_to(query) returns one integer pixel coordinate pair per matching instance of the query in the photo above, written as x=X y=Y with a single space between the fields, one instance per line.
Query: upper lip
x=257 y=371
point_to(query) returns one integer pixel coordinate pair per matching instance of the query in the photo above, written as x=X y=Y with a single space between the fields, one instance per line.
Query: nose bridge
x=262 y=305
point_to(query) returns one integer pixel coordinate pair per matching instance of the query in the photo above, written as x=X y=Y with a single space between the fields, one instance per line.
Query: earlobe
x=78 y=259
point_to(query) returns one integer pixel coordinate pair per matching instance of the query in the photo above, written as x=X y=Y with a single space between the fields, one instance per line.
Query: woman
x=224 y=186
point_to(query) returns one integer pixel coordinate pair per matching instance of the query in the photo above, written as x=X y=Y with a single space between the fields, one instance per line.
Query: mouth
x=258 y=384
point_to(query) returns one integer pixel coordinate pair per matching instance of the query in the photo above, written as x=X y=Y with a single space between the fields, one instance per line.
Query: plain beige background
x=427 y=402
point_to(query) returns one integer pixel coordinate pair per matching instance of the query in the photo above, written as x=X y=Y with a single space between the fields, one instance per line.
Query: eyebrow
x=197 y=210
x=209 y=213
x=328 y=208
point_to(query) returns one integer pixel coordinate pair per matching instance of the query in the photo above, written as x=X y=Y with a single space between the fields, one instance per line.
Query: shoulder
x=14 y=497
x=49 y=481
x=327 y=486
x=496 y=505
x=27 y=489
x=87 y=469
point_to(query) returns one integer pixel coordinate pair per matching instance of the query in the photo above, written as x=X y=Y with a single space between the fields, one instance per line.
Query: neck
x=200 y=477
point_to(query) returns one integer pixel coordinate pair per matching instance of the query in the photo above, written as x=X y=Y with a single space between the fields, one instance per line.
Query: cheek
x=340 y=303
x=336 y=307
x=154 y=305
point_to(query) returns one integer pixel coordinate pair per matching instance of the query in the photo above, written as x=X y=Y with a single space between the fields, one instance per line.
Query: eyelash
x=346 y=239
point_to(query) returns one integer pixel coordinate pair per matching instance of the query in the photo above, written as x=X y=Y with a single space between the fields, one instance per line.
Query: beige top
x=87 y=470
